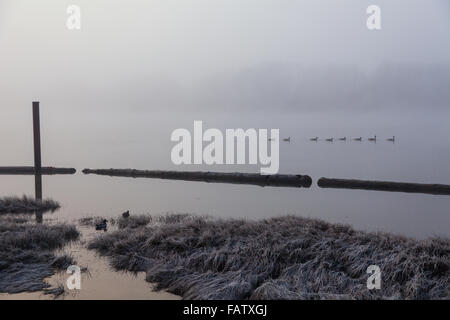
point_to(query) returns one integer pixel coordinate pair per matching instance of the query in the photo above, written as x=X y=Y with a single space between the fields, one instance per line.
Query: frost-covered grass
x=280 y=258
x=27 y=254
x=26 y=204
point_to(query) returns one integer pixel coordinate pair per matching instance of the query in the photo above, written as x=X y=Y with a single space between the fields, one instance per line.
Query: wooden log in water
x=438 y=189
x=277 y=180
x=32 y=171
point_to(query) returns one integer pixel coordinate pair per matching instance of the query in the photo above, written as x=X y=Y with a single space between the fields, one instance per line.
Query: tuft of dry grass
x=26 y=204
x=133 y=222
x=280 y=258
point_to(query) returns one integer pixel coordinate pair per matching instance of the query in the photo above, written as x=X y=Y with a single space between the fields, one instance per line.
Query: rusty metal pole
x=37 y=151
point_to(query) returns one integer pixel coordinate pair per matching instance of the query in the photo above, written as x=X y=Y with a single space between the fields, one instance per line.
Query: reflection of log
x=384 y=186
x=32 y=171
x=277 y=180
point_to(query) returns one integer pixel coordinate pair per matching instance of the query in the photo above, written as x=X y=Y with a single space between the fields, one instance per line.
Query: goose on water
x=391 y=139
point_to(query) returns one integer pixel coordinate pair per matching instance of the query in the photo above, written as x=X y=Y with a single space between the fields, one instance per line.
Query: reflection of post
x=38 y=186
x=39 y=216
x=37 y=151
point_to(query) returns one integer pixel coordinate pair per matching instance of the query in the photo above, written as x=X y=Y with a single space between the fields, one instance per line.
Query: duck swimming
x=314 y=139
x=358 y=139
x=102 y=225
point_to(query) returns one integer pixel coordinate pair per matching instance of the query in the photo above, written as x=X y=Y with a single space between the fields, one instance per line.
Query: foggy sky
x=165 y=55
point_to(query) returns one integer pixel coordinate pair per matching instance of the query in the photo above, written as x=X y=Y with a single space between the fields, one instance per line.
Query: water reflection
x=38 y=195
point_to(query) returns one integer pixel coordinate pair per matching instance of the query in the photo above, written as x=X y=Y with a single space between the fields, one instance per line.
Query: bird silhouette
x=391 y=139
x=102 y=225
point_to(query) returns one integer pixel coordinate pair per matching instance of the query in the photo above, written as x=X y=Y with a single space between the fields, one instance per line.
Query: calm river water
x=421 y=154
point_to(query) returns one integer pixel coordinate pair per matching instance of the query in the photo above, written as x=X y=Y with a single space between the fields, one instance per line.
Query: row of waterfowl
x=374 y=139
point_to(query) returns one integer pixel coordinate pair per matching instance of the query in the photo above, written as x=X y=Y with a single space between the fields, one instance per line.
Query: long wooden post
x=37 y=151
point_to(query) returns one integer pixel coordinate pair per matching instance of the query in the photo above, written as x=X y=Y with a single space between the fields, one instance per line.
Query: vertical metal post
x=37 y=151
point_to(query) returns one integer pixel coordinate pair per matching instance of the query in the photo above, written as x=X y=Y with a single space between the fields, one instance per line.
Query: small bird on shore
x=330 y=139
x=314 y=139
x=358 y=139
x=102 y=225
x=391 y=139
x=126 y=214
x=343 y=139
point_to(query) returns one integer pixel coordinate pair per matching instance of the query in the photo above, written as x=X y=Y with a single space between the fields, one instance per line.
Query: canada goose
x=102 y=225
x=391 y=139
x=126 y=214
x=373 y=139
x=343 y=139
x=314 y=139
x=330 y=139
x=358 y=139
x=288 y=139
